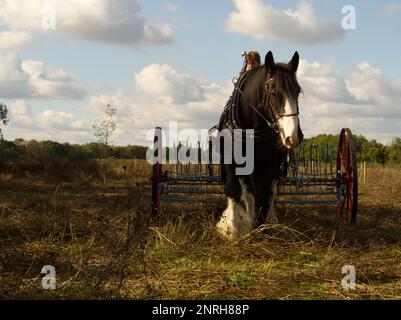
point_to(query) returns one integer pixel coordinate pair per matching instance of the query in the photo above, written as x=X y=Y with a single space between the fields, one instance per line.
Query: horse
x=267 y=102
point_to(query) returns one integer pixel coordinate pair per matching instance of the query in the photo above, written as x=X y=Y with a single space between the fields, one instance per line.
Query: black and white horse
x=267 y=103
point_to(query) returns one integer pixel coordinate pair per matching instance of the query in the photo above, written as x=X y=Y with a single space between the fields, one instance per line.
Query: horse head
x=271 y=96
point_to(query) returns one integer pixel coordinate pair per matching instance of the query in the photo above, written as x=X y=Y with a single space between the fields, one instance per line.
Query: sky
x=155 y=61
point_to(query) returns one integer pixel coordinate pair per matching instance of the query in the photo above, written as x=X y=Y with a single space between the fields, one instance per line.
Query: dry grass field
x=95 y=229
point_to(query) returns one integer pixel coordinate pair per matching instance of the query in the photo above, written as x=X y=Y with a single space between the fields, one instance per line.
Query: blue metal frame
x=310 y=173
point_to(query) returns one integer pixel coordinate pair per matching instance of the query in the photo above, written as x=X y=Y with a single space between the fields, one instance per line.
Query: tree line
x=36 y=151
x=367 y=150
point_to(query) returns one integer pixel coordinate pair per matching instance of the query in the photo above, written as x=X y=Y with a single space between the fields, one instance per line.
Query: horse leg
x=272 y=213
x=237 y=219
x=261 y=210
x=248 y=198
x=264 y=203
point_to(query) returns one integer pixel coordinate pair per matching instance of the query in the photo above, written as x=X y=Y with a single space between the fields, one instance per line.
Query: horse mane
x=286 y=79
x=254 y=92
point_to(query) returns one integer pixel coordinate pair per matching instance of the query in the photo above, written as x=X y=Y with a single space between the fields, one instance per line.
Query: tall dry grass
x=104 y=244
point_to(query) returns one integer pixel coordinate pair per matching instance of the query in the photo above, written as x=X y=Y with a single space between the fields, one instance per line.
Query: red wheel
x=347 y=178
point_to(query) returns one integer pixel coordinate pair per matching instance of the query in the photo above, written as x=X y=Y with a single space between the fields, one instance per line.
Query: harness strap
x=230 y=118
x=271 y=125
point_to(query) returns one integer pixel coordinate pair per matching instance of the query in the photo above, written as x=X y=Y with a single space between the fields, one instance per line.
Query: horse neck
x=253 y=95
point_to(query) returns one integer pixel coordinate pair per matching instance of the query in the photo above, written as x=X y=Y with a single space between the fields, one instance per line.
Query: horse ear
x=269 y=62
x=294 y=62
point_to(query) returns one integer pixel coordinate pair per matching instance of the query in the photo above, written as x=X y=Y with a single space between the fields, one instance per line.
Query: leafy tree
x=53 y=150
x=77 y=152
x=32 y=151
x=97 y=150
x=106 y=128
x=370 y=150
x=9 y=151
x=394 y=152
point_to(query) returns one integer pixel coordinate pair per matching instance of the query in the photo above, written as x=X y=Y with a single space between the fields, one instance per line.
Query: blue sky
x=201 y=52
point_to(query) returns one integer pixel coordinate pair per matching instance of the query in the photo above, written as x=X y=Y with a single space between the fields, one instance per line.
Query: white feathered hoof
x=235 y=221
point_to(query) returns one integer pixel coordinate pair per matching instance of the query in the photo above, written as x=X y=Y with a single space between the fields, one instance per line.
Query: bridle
x=230 y=118
x=276 y=116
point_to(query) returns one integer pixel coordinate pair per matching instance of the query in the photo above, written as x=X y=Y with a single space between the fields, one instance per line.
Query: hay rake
x=316 y=174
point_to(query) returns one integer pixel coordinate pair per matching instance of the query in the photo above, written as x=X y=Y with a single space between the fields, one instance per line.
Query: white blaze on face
x=289 y=125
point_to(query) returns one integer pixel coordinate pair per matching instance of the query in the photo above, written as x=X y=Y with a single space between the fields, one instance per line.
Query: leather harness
x=231 y=120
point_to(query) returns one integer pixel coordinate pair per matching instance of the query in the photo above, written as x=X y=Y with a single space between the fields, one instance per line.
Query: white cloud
x=120 y=99
x=51 y=83
x=322 y=81
x=20 y=115
x=367 y=83
x=168 y=86
x=161 y=94
x=13 y=80
x=14 y=40
x=261 y=21
x=47 y=125
x=63 y=121
x=32 y=79
x=27 y=78
x=365 y=101
x=110 y=21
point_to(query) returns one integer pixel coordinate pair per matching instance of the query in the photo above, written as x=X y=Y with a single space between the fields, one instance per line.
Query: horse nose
x=291 y=142
x=288 y=142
